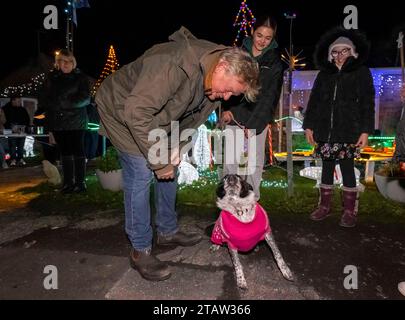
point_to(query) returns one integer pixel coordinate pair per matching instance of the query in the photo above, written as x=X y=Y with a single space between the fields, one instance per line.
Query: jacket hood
x=359 y=40
x=181 y=35
x=200 y=52
x=248 y=44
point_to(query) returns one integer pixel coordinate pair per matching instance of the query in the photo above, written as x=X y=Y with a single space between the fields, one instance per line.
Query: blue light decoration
x=72 y=6
x=213 y=118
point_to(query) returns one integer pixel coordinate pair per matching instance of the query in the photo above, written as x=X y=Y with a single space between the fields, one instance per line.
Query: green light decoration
x=285 y=118
x=93 y=126
x=381 y=138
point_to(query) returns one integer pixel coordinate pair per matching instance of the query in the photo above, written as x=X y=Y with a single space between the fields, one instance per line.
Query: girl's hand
x=363 y=140
x=309 y=134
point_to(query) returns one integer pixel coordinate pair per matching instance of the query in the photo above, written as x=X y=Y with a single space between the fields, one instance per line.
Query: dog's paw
x=242 y=285
x=287 y=274
x=214 y=248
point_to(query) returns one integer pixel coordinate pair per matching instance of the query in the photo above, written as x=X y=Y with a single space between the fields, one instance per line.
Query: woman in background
x=64 y=99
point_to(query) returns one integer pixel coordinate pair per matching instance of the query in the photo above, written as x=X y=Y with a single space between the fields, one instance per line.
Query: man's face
x=224 y=85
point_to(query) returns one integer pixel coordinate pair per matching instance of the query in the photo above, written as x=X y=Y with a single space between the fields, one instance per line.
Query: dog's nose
x=232 y=180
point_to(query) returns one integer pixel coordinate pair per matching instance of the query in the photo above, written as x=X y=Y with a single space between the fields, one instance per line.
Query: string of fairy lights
x=387 y=83
x=244 y=20
x=32 y=87
x=209 y=178
x=110 y=66
x=27 y=89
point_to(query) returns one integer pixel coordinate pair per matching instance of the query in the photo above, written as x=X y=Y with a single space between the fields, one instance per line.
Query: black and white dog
x=242 y=224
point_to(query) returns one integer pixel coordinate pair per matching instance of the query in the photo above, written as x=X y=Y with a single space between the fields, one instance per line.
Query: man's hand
x=166 y=173
x=175 y=157
x=226 y=117
x=363 y=139
x=309 y=134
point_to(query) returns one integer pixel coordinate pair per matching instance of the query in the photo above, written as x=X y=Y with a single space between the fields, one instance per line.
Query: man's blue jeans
x=137 y=178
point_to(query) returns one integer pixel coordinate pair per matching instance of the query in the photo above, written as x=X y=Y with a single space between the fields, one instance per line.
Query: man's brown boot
x=179 y=239
x=149 y=266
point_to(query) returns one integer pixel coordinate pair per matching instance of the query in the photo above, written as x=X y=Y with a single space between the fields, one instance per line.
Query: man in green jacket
x=180 y=81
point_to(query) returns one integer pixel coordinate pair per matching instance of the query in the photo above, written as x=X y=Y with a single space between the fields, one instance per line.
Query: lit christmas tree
x=201 y=150
x=110 y=66
x=244 y=20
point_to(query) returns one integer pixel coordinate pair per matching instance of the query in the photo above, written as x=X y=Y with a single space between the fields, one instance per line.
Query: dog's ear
x=246 y=188
x=221 y=190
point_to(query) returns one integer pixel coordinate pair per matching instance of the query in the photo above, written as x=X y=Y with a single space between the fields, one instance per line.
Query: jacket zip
x=333 y=107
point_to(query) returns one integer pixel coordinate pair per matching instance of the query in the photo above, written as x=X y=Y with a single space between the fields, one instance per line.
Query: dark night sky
x=132 y=28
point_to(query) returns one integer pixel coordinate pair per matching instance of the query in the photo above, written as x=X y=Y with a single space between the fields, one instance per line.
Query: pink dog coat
x=240 y=235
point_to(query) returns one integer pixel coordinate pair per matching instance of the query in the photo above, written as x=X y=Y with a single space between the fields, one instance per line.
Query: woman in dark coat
x=254 y=117
x=340 y=115
x=64 y=99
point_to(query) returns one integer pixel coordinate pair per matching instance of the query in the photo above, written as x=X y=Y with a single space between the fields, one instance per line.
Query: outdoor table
x=22 y=135
x=370 y=166
x=25 y=135
x=369 y=163
x=281 y=157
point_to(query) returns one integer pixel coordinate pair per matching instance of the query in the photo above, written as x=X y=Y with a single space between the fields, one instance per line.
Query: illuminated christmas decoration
x=292 y=60
x=213 y=118
x=201 y=150
x=110 y=66
x=274 y=184
x=187 y=173
x=71 y=18
x=27 y=89
x=244 y=20
x=315 y=173
x=270 y=142
x=29 y=147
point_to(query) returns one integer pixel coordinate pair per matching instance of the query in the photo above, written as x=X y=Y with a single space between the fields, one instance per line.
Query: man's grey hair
x=245 y=67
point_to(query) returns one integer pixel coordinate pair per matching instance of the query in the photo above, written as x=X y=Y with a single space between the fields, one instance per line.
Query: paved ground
x=91 y=257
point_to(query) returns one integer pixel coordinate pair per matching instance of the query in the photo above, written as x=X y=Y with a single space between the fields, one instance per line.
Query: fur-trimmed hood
x=322 y=49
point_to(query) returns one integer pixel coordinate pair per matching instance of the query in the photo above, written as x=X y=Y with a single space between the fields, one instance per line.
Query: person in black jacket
x=340 y=115
x=16 y=115
x=254 y=117
x=64 y=99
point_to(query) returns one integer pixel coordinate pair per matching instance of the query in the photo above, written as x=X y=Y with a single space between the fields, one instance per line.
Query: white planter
x=391 y=187
x=111 y=180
